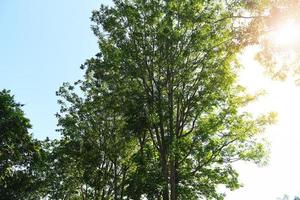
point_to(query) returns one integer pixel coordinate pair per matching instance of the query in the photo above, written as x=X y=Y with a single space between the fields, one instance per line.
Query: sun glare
x=286 y=35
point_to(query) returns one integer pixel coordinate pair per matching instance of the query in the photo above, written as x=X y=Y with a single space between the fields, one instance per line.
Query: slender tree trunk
x=86 y=192
x=172 y=137
x=164 y=165
x=123 y=183
x=115 y=182
x=173 y=180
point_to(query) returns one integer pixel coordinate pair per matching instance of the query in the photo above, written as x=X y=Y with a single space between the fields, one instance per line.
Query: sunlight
x=286 y=34
x=280 y=175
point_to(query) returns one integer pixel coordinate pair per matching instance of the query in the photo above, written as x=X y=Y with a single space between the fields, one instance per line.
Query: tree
x=166 y=73
x=92 y=159
x=18 y=151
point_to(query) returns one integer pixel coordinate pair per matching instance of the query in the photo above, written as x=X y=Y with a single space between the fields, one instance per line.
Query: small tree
x=18 y=151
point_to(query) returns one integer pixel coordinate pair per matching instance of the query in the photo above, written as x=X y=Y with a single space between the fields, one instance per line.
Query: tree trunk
x=164 y=165
x=115 y=181
x=173 y=180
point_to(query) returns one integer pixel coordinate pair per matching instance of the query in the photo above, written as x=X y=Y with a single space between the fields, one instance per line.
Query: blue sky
x=43 y=43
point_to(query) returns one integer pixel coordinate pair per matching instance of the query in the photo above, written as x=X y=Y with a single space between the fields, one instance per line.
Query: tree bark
x=173 y=180
x=164 y=165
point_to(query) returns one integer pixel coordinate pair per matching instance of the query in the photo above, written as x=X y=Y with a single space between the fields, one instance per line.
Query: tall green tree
x=19 y=152
x=165 y=82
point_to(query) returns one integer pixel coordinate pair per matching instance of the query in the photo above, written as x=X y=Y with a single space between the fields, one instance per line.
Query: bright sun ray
x=286 y=34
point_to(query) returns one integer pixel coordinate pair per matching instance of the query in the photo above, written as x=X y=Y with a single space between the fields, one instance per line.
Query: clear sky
x=43 y=43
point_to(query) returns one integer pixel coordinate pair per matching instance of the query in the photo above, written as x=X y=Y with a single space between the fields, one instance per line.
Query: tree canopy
x=160 y=111
x=18 y=151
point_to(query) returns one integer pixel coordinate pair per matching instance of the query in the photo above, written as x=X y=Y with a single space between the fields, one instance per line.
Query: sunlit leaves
x=160 y=103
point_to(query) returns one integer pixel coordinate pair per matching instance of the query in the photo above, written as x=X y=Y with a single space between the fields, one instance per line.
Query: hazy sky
x=281 y=176
x=43 y=43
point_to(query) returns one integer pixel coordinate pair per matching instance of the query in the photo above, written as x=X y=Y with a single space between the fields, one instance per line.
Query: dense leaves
x=161 y=100
x=158 y=115
x=19 y=153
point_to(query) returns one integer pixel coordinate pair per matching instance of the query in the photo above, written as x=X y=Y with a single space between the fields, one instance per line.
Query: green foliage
x=159 y=112
x=93 y=157
x=18 y=151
